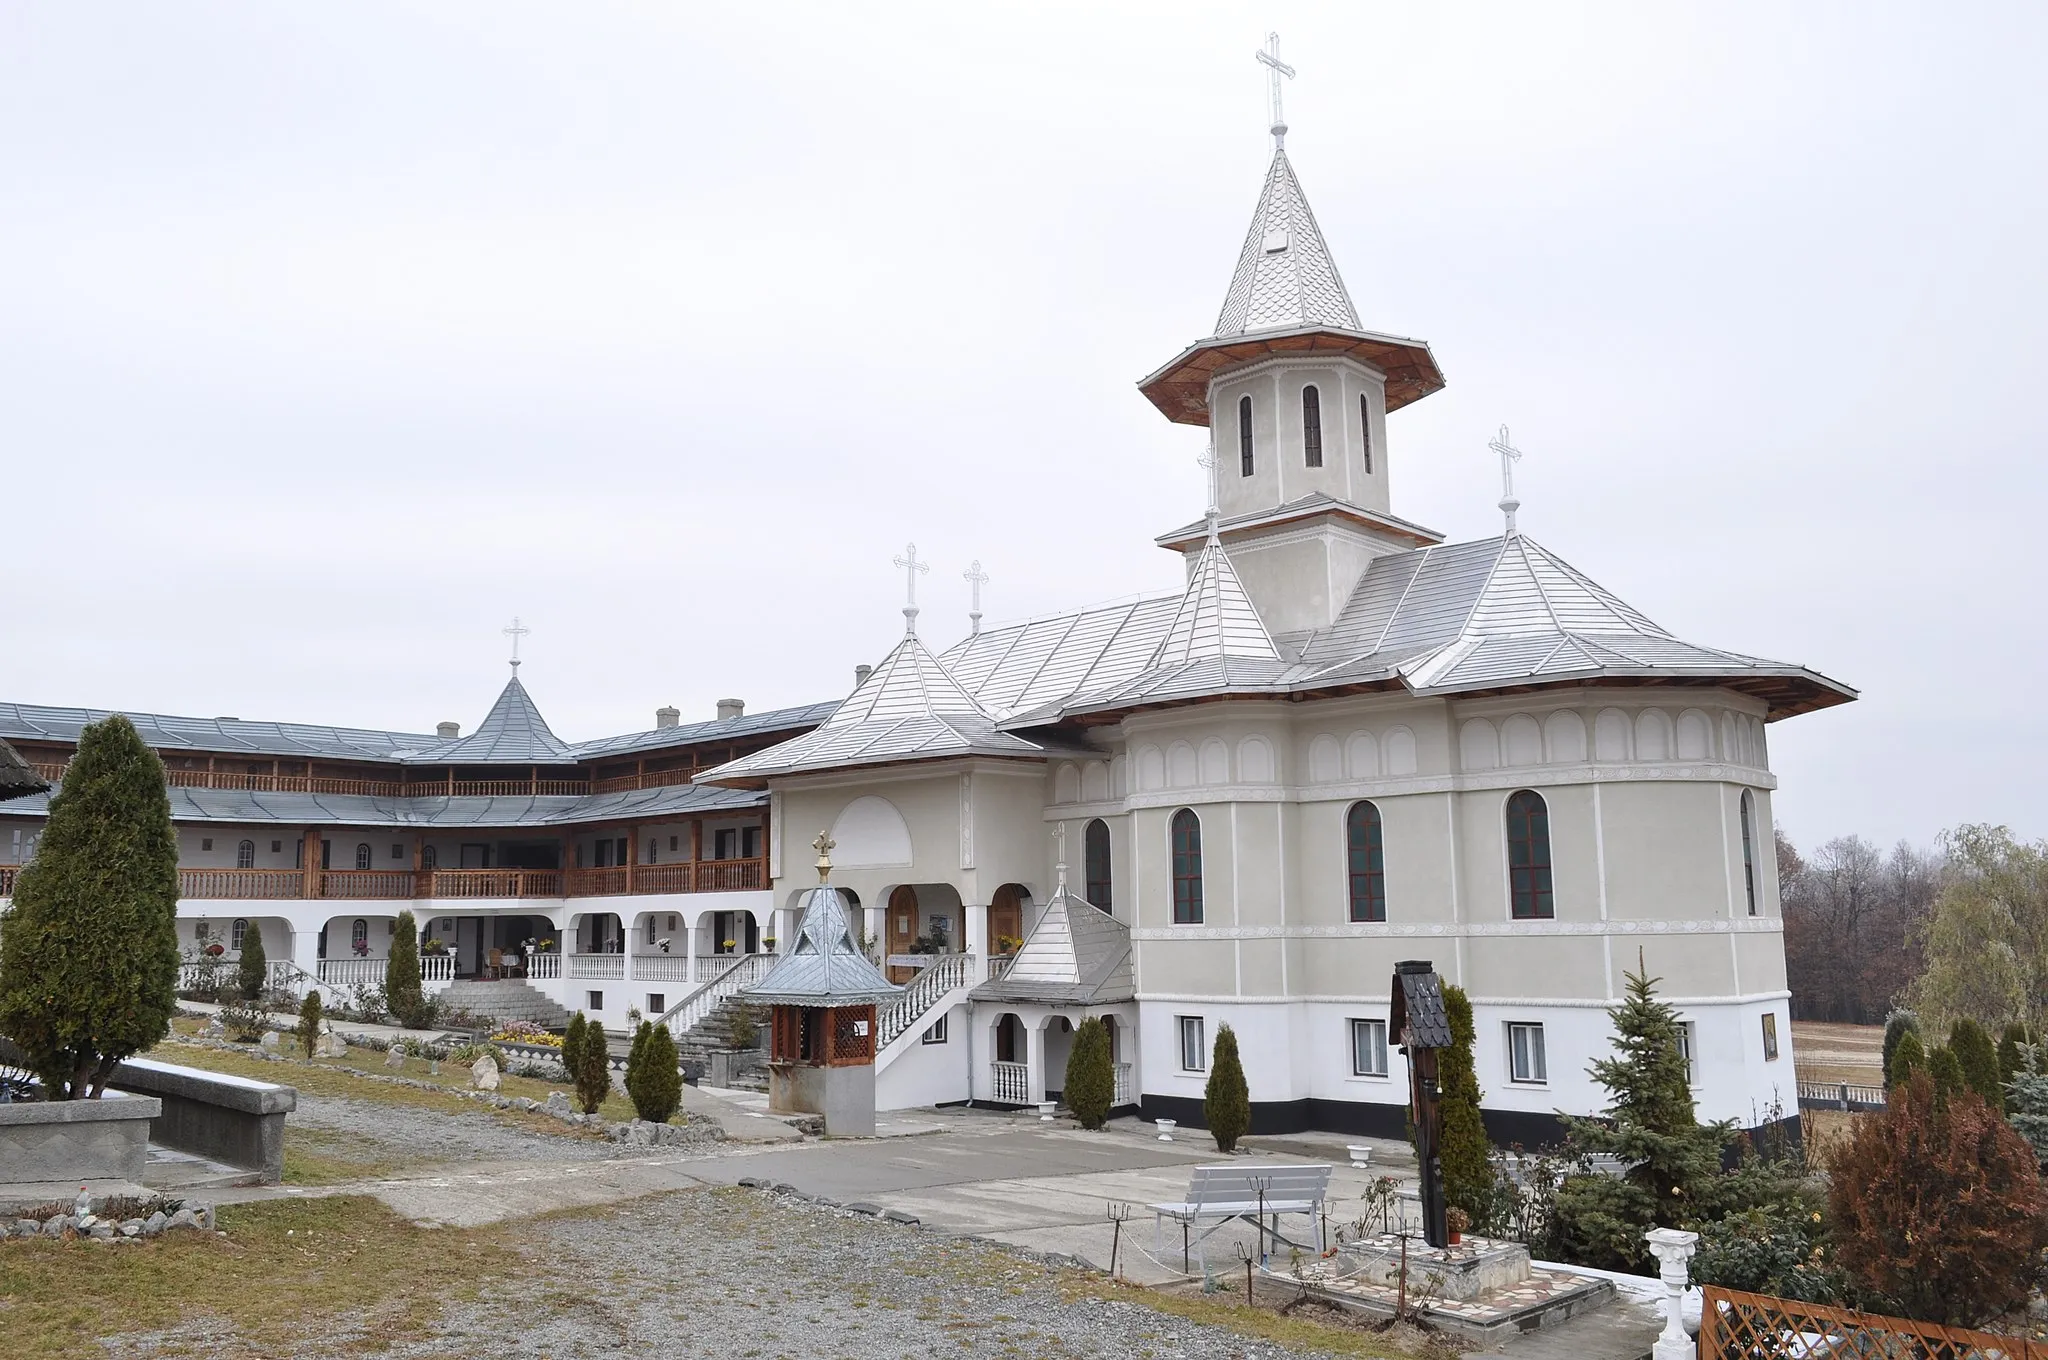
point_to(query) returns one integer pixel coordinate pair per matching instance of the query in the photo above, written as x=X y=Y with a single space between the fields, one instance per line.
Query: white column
x=974 y=930
x=1673 y=1249
x=1034 y=1063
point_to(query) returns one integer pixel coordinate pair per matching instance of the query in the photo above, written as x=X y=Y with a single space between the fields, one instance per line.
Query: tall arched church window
x=1529 y=893
x=1187 y=868
x=1312 y=426
x=363 y=855
x=1365 y=428
x=245 y=855
x=1095 y=871
x=1749 y=850
x=1368 y=863
x=1244 y=436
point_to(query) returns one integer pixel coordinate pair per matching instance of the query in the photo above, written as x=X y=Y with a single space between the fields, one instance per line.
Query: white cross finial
x=977 y=578
x=912 y=569
x=1509 y=456
x=1270 y=57
x=1207 y=458
x=515 y=632
x=1059 y=840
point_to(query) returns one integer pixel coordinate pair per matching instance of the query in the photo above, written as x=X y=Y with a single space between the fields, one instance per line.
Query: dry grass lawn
x=1831 y=1052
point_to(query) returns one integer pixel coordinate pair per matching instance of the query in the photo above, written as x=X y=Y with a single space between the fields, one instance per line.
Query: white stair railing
x=945 y=972
x=746 y=970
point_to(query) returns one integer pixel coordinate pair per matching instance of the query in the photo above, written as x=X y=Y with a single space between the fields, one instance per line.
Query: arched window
x=1749 y=850
x=245 y=855
x=1095 y=871
x=359 y=936
x=1365 y=428
x=1187 y=868
x=1529 y=858
x=429 y=859
x=236 y=931
x=363 y=855
x=1244 y=436
x=1368 y=863
x=1312 y=426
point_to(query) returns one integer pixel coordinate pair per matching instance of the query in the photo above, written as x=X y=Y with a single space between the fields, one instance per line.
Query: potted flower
x=1008 y=944
x=726 y=946
x=768 y=943
x=1457 y=1220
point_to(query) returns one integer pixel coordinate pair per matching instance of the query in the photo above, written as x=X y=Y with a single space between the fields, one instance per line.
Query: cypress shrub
x=402 y=990
x=1226 y=1100
x=1947 y=1072
x=592 y=1072
x=309 y=1020
x=1897 y=1026
x=658 y=1092
x=89 y=949
x=1468 y=1175
x=1909 y=1057
x=253 y=969
x=1978 y=1058
x=572 y=1046
x=1090 y=1084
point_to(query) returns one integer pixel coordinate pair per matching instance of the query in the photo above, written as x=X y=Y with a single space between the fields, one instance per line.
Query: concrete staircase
x=504 y=1001
x=698 y=1044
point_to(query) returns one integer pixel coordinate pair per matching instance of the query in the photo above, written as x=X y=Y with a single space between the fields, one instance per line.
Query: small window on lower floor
x=1194 y=1052
x=1368 y=1048
x=937 y=1033
x=657 y=1003
x=594 y=1001
x=1525 y=1054
x=1770 y=1036
x=277 y=847
x=206 y=842
x=397 y=851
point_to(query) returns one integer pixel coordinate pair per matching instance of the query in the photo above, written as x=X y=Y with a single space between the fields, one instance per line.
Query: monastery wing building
x=1344 y=744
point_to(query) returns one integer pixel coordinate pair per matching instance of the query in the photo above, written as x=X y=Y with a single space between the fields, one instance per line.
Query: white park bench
x=1257 y=1195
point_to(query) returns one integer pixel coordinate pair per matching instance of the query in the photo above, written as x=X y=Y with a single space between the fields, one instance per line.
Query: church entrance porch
x=921 y=920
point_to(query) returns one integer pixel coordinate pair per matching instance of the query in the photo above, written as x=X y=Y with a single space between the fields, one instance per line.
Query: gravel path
x=430 y=1137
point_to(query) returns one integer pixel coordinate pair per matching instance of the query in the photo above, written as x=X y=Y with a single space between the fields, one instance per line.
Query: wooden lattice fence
x=1738 y=1326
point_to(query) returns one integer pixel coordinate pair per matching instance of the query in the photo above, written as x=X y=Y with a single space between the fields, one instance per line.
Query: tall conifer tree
x=403 y=995
x=253 y=969
x=1468 y=1177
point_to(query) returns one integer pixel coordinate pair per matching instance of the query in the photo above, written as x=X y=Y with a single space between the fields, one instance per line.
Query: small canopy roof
x=825 y=967
x=1077 y=954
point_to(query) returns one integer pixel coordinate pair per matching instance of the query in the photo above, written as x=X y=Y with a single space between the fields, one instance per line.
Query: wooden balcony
x=251 y=885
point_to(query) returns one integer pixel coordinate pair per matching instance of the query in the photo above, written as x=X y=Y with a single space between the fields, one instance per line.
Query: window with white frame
x=1525 y=1054
x=1368 y=1048
x=236 y=932
x=1689 y=1052
x=657 y=1002
x=245 y=855
x=595 y=1000
x=1194 y=1051
x=937 y=1033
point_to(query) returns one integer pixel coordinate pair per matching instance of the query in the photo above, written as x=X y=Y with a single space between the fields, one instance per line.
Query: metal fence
x=1839 y=1095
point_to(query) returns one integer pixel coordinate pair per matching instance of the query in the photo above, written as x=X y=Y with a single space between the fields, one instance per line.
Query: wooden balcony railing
x=632 y=783
x=241 y=883
x=366 y=883
x=490 y=883
x=233 y=781
x=715 y=875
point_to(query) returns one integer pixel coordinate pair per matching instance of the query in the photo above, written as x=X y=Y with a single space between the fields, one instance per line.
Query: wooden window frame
x=1365 y=856
x=1532 y=892
x=1185 y=851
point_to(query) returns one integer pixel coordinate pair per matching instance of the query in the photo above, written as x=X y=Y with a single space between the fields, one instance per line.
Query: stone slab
x=76 y=1140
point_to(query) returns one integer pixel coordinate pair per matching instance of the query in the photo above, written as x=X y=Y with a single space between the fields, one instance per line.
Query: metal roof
x=334 y=809
x=1285 y=276
x=1076 y=954
x=39 y=722
x=707 y=733
x=824 y=966
x=512 y=733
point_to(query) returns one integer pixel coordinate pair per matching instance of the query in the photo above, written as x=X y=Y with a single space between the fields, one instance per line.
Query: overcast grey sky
x=332 y=336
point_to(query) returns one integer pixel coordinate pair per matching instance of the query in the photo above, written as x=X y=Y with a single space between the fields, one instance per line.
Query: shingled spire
x=1285 y=277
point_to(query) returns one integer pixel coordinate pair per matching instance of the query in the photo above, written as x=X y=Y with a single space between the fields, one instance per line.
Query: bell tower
x=1296 y=393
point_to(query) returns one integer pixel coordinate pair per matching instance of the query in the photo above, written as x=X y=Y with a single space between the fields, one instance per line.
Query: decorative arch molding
x=1181 y=771
x=1478 y=745
x=1095 y=782
x=1695 y=736
x=1255 y=761
x=1400 y=751
x=1066 y=784
x=1362 y=756
x=1613 y=737
x=1564 y=738
x=870 y=834
x=1325 y=760
x=1521 y=740
x=1151 y=769
x=1215 y=763
x=1653 y=736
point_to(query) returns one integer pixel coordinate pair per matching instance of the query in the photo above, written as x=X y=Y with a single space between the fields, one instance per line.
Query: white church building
x=1344 y=744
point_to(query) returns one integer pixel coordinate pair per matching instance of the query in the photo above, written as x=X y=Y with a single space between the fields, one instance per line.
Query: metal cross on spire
x=1207 y=458
x=977 y=578
x=1509 y=456
x=515 y=632
x=1059 y=840
x=912 y=569
x=1270 y=57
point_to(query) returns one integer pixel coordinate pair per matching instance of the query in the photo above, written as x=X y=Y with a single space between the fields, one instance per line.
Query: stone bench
x=223 y=1118
x=67 y=1142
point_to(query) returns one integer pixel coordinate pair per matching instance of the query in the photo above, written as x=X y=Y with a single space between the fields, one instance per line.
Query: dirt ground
x=1830 y=1052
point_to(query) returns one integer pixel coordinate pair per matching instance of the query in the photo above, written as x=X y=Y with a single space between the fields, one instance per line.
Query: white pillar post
x=1673 y=1249
x=974 y=930
x=1034 y=1063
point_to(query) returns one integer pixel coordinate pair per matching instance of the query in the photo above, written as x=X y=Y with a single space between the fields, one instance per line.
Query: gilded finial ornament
x=824 y=846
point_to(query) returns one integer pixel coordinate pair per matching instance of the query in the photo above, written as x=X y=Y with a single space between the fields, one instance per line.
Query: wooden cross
x=1270 y=57
x=977 y=578
x=515 y=632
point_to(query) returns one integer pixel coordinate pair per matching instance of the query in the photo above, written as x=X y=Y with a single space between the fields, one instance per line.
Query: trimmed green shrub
x=2011 y=1059
x=253 y=970
x=590 y=1065
x=89 y=949
x=1226 y=1100
x=1947 y=1071
x=1090 y=1084
x=402 y=990
x=1897 y=1026
x=1468 y=1174
x=1909 y=1057
x=654 y=1077
x=572 y=1045
x=309 y=1020
x=1978 y=1057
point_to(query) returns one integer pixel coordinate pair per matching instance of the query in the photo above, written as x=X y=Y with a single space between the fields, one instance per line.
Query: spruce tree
x=661 y=1079
x=1978 y=1058
x=254 y=969
x=89 y=949
x=1909 y=1057
x=2011 y=1060
x=1468 y=1175
x=1897 y=1026
x=1090 y=1084
x=1226 y=1100
x=309 y=1020
x=403 y=995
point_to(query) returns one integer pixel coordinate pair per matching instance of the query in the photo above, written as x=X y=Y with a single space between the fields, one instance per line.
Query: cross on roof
x=515 y=632
x=1059 y=840
x=1207 y=458
x=1270 y=58
x=1509 y=456
x=975 y=578
x=912 y=569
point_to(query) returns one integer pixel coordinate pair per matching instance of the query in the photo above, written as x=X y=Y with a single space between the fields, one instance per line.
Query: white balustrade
x=1124 y=1092
x=543 y=965
x=661 y=968
x=352 y=972
x=437 y=968
x=597 y=965
x=940 y=975
x=711 y=967
x=740 y=971
x=1010 y=1082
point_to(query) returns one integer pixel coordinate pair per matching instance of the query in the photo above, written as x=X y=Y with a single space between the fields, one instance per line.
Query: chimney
x=668 y=715
x=861 y=674
x=447 y=731
x=731 y=708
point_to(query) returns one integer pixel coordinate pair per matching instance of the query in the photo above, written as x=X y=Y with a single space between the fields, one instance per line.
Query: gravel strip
x=428 y=1136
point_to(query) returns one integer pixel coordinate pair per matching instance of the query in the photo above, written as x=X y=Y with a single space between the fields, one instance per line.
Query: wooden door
x=902 y=929
x=1005 y=917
